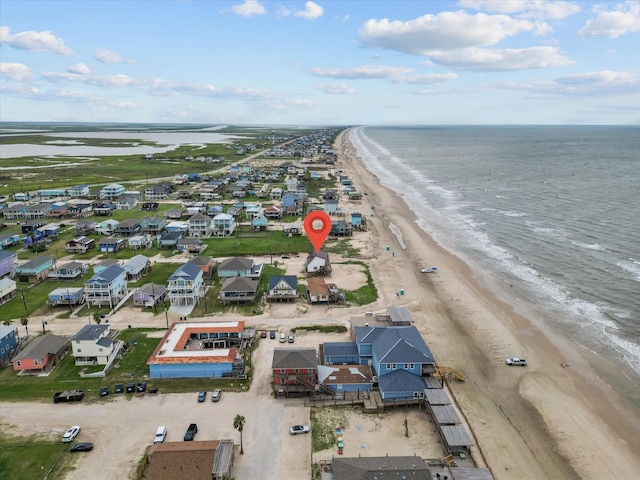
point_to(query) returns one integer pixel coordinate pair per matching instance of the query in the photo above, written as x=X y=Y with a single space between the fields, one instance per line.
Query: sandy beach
x=555 y=419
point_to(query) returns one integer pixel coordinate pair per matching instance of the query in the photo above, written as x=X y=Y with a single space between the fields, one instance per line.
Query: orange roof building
x=198 y=349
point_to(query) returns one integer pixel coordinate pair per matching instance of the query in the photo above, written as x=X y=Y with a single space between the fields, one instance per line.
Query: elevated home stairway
x=448 y=371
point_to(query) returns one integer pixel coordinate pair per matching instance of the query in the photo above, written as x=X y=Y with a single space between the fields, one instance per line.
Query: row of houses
x=392 y=358
x=91 y=345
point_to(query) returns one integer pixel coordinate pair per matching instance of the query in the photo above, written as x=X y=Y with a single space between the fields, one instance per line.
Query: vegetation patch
x=341 y=246
x=367 y=293
x=26 y=458
x=323 y=426
x=320 y=328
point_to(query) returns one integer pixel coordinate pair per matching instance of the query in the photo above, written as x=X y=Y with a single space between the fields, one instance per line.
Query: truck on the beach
x=68 y=396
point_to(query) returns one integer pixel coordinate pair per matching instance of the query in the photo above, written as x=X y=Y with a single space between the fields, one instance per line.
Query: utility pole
x=24 y=301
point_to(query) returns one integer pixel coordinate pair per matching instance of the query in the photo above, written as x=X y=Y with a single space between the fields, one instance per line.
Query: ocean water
x=549 y=215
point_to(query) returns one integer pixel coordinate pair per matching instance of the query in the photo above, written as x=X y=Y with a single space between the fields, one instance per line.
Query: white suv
x=517 y=361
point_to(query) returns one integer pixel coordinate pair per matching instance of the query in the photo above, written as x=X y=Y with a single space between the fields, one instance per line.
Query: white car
x=161 y=433
x=296 y=429
x=71 y=434
x=430 y=270
x=517 y=361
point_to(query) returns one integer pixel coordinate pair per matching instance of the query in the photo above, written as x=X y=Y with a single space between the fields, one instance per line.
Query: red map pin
x=315 y=234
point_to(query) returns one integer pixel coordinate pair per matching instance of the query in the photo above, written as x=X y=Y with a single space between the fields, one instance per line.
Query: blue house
x=186 y=285
x=8 y=340
x=399 y=357
x=345 y=378
x=70 y=296
x=8 y=263
x=110 y=244
x=341 y=353
x=8 y=240
x=107 y=287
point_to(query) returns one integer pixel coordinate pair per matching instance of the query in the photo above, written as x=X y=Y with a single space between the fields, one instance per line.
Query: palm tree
x=238 y=424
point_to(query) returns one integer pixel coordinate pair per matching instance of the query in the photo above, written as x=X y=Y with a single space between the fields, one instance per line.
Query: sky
x=319 y=63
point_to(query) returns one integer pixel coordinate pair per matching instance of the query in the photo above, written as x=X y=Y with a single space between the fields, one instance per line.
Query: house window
x=18 y=363
x=339 y=387
x=406 y=366
x=412 y=366
x=394 y=366
x=35 y=362
x=297 y=370
x=79 y=350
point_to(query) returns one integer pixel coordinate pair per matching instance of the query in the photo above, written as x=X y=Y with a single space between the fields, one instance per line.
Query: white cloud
x=601 y=83
x=119 y=80
x=425 y=79
x=444 y=31
x=79 y=68
x=335 y=88
x=615 y=23
x=106 y=56
x=58 y=77
x=15 y=71
x=363 y=72
x=311 y=11
x=248 y=8
x=495 y=60
x=526 y=8
x=33 y=41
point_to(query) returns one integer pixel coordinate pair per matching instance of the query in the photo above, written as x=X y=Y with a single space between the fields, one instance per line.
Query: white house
x=92 y=345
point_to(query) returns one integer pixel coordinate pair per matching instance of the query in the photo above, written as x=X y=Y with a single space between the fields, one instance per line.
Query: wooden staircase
x=449 y=372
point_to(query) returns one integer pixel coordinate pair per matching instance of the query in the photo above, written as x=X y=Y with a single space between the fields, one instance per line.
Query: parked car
x=191 y=432
x=263 y=334
x=202 y=396
x=104 y=391
x=142 y=386
x=290 y=338
x=296 y=429
x=68 y=396
x=283 y=338
x=119 y=388
x=272 y=334
x=161 y=432
x=70 y=434
x=131 y=387
x=82 y=447
x=517 y=361
x=153 y=389
x=216 y=394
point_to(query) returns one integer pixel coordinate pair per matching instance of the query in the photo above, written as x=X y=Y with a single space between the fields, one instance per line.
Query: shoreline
x=545 y=421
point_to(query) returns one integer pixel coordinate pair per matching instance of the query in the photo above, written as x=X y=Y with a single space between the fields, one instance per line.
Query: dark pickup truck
x=68 y=396
x=191 y=432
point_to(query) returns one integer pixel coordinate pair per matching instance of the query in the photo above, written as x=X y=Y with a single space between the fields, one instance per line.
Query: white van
x=161 y=432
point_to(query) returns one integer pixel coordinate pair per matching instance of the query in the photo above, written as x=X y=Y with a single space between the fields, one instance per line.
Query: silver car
x=216 y=394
